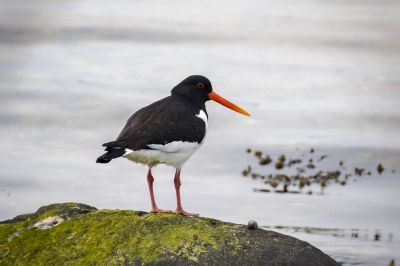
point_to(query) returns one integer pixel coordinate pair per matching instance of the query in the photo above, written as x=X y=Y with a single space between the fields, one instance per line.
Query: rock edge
x=83 y=235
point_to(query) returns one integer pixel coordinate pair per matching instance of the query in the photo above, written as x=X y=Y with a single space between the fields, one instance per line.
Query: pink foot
x=157 y=210
x=185 y=213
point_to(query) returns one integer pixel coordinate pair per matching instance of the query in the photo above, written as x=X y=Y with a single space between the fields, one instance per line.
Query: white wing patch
x=202 y=115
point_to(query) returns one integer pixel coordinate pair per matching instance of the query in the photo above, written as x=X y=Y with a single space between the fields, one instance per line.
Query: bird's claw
x=185 y=213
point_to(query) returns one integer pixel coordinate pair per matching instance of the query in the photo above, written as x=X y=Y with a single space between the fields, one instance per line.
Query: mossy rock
x=78 y=234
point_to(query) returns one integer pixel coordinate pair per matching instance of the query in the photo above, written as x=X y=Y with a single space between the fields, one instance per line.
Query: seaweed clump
x=301 y=174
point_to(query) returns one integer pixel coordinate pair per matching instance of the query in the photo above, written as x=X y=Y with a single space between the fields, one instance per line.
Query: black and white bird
x=168 y=132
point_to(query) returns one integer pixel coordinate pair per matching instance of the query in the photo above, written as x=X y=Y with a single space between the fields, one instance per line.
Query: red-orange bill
x=219 y=99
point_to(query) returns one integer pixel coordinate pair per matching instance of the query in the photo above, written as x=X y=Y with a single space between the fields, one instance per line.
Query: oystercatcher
x=168 y=132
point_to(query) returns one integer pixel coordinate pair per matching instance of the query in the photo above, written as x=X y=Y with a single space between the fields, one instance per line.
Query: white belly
x=174 y=154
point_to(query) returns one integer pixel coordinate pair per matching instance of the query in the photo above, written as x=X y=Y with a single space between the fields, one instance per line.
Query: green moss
x=120 y=237
x=111 y=237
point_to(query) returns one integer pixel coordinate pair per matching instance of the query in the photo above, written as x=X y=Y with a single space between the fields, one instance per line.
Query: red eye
x=200 y=85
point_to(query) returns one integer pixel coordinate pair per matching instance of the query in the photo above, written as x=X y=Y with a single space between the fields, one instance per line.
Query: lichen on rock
x=87 y=236
x=49 y=222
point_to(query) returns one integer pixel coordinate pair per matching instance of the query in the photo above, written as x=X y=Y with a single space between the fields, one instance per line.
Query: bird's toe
x=185 y=213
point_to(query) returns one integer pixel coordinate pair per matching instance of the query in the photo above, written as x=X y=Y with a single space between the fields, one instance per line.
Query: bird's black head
x=198 y=90
x=195 y=88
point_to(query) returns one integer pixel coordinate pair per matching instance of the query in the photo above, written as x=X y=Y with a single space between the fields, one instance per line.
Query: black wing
x=170 y=119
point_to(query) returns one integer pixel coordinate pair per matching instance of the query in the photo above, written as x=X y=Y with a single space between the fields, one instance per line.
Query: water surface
x=313 y=74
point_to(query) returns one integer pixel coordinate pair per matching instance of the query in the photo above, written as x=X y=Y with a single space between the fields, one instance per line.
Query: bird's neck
x=200 y=105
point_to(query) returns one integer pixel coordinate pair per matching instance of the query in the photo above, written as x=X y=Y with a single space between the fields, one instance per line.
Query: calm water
x=311 y=73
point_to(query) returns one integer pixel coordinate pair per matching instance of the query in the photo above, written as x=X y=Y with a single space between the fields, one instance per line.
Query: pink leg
x=177 y=182
x=150 y=180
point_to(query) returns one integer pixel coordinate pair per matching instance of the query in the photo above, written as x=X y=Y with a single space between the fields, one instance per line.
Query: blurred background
x=320 y=74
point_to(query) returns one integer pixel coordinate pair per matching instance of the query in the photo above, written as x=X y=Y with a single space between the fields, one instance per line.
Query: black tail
x=114 y=150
